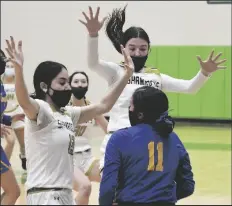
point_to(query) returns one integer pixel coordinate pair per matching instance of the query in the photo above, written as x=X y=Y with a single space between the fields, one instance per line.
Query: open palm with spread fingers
x=92 y=23
x=128 y=63
x=211 y=64
x=16 y=56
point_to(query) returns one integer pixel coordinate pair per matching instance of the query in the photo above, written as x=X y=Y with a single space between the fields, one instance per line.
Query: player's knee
x=86 y=188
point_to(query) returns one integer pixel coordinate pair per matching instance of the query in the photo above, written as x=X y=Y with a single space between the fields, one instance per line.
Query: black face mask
x=79 y=92
x=2 y=63
x=61 y=97
x=133 y=117
x=139 y=62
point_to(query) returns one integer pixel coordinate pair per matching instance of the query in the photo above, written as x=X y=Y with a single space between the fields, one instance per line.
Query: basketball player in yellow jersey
x=137 y=43
x=86 y=166
x=13 y=108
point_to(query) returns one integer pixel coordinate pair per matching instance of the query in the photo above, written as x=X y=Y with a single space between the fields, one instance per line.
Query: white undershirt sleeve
x=170 y=84
x=108 y=70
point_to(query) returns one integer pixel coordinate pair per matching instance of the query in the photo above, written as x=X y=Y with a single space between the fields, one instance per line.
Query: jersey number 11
x=151 y=151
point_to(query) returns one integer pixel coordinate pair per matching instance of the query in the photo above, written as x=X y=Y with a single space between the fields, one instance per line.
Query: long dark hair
x=45 y=72
x=114 y=29
x=154 y=105
x=78 y=72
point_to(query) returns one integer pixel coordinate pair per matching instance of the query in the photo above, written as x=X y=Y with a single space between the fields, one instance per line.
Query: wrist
x=205 y=73
x=93 y=35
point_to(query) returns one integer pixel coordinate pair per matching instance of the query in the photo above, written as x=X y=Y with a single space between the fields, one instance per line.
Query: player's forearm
x=9 y=150
x=170 y=84
x=92 y=55
x=21 y=90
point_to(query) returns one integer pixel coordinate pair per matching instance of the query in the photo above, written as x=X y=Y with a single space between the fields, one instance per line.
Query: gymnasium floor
x=210 y=153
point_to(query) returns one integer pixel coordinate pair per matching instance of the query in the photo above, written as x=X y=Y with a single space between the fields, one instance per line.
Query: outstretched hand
x=128 y=63
x=16 y=56
x=211 y=64
x=92 y=23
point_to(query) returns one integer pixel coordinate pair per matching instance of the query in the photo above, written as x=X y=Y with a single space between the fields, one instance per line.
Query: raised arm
x=105 y=105
x=29 y=105
x=170 y=84
x=108 y=70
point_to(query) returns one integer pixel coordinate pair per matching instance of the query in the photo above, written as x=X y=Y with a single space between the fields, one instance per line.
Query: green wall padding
x=213 y=101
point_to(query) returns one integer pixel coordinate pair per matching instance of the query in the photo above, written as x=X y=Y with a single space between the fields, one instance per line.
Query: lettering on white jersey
x=140 y=81
x=71 y=144
x=68 y=125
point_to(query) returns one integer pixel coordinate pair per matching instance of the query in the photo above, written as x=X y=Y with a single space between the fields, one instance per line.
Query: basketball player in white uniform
x=86 y=165
x=13 y=108
x=136 y=42
x=49 y=126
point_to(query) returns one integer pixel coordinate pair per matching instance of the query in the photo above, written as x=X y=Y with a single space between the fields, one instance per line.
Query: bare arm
x=10 y=142
x=102 y=122
x=29 y=105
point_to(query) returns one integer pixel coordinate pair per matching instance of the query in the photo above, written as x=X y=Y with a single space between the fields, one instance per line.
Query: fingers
x=8 y=45
x=199 y=59
x=221 y=67
x=90 y=12
x=211 y=55
x=124 y=54
x=9 y=53
x=82 y=22
x=221 y=62
x=12 y=43
x=86 y=17
x=97 y=13
x=216 y=57
x=103 y=20
x=20 y=44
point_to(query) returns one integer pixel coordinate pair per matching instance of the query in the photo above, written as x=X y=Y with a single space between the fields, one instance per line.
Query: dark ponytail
x=114 y=27
x=164 y=126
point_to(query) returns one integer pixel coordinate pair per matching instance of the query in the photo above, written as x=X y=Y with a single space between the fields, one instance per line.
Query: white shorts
x=18 y=124
x=61 y=197
x=84 y=161
x=103 y=149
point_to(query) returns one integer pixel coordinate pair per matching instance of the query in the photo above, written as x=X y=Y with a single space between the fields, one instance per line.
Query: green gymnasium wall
x=213 y=101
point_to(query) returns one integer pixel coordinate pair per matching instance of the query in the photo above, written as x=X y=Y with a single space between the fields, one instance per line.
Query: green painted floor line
x=207 y=146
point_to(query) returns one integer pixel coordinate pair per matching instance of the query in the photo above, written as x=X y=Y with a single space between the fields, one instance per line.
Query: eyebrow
x=62 y=78
x=141 y=45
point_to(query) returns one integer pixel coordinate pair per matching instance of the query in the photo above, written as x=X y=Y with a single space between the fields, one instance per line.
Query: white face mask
x=9 y=72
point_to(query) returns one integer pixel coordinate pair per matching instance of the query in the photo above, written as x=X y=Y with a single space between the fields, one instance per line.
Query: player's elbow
x=93 y=63
x=186 y=190
x=191 y=89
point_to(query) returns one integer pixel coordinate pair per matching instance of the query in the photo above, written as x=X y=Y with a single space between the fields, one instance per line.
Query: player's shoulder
x=152 y=70
x=121 y=133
